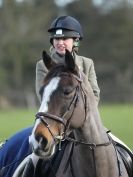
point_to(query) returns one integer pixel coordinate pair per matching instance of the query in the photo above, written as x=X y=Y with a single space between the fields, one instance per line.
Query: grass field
x=117 y=118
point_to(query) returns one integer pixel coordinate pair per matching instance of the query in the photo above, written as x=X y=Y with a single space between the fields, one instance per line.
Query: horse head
x=62 y=107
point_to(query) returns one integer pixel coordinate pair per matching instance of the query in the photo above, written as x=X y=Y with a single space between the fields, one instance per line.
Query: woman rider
x=66 y=33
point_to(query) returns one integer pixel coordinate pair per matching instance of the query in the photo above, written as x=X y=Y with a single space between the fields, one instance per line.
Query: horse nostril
x=42 y=141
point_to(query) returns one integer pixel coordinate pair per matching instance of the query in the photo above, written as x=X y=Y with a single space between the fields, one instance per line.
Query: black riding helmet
x=65 y=26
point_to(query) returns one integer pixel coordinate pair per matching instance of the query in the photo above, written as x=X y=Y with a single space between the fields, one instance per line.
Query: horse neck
x=93 y=129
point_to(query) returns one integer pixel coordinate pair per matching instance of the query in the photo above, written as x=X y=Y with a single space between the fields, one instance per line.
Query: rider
x=65 y=33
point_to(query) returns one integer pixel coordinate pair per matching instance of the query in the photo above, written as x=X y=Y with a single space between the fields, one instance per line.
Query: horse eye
x=67 y=91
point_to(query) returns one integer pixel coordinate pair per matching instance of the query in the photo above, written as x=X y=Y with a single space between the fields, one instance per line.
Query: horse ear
x=47 y=60
x=70 y=62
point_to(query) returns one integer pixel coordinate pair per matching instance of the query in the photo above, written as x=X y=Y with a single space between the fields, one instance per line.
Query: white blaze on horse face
x=47 y=93
x=53 y=84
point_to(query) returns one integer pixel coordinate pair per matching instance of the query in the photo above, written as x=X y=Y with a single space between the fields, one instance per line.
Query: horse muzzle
x=41 y=147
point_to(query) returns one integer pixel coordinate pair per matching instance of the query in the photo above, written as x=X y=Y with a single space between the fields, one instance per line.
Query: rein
x=91 y=145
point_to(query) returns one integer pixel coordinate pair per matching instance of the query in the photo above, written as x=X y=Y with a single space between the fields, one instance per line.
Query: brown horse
x=69 y=113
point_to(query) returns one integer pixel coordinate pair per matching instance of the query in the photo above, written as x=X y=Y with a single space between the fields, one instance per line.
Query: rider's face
x=61 y=44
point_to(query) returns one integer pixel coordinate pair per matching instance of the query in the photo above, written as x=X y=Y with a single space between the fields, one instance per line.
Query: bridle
x=65 y=119
x=64 y=135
